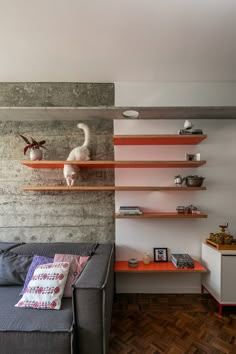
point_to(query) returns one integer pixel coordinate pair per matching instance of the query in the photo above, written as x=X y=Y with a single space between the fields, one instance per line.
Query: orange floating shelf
x=158 y=139
x=67 y=188
x=111 y=188
x=157 y=267
x=164 y=215
x=113 y=164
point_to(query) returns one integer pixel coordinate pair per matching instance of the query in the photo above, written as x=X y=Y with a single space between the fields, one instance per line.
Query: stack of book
x=129 y=210
x=182 y=261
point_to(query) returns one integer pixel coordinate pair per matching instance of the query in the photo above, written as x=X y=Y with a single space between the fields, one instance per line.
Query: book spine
x=129 y=207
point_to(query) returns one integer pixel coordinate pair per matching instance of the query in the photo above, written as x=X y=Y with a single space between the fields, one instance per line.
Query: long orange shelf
x=157 y=267
x=111 y=188
x=158 y=139
x=112 y=164
x=162 y=215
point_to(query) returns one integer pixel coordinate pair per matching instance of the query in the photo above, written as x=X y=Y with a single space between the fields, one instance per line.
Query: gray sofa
x=82 y=324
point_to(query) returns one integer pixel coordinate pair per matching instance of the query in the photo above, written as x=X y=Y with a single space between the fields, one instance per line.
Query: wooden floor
x=171 y=324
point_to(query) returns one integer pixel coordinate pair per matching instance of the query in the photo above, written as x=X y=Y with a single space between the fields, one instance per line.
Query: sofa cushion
x=50 y=249
x=28 y=331
x=76 y=265
x=37 y=260
x=13 y=268
x=46 y=287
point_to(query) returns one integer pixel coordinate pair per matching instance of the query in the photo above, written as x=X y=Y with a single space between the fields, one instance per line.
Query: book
x=129 y=212
x=182 y=260
x=129 y=207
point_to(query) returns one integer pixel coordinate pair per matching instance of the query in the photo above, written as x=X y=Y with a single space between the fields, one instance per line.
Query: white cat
x=80 y=153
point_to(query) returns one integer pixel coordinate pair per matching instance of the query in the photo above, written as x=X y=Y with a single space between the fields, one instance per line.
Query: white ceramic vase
x=35 y=154
x=146 y=258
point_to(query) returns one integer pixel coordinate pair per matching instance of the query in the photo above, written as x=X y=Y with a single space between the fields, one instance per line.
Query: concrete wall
x=54 y=216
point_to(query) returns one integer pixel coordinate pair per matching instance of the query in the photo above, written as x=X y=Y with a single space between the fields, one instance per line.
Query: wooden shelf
x=157 y=267
x=111 y=188
x=164 y=215
x=67 y=188
x=220 y=247
x=158 y=139
x=113 y=164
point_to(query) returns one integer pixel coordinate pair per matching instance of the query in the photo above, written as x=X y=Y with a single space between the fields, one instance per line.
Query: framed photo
x=192 y=157
x=160 y=254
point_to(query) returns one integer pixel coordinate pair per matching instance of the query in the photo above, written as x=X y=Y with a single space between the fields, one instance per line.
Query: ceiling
x=125 y=40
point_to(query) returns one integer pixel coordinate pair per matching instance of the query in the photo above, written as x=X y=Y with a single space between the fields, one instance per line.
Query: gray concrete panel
x=56 y=94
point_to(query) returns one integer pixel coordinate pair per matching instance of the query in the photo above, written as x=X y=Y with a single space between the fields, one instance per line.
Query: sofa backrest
x=50 y=249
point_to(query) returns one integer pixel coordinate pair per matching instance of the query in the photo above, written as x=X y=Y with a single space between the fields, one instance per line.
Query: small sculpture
x=178 y=180
x=188 y=125
x=222 y=237
x=188 y=129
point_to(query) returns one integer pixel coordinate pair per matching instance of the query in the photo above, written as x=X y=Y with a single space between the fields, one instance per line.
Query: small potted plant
x=34 y=148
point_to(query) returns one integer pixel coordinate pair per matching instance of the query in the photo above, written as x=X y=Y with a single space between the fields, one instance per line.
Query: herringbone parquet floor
x=171 y=324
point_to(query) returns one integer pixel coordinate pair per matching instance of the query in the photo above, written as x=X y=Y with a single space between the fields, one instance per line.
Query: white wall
x=133 y=237
x=77 y=40
x=151 y=93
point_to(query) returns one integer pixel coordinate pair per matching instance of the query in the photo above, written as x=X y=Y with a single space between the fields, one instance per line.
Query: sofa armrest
x=92 y=302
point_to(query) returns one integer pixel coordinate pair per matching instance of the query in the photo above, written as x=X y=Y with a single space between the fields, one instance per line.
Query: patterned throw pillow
x=37 y=260
x=76 y=265
x=46 y=287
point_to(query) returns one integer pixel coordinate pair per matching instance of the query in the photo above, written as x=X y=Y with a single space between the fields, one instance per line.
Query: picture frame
x=193 y=157
x=160 y=254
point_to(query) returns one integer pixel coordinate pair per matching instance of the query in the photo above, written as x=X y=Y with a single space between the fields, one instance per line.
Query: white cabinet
x=220 y=280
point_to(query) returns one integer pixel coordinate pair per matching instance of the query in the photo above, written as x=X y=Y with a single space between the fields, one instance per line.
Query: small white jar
x=146 y=258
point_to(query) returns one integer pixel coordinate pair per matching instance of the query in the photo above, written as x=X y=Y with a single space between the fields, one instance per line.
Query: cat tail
x=86 y=130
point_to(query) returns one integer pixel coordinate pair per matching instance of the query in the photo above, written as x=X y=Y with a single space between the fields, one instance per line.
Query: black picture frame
x=160 y=254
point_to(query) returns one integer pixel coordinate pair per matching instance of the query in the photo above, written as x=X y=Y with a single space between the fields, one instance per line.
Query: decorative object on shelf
x=133 y=262
x=129 y=210
x=190 y=209
x=146 y=258
x=194 y=181
x=193 y=157
x=180 y=209
x=190 y=181
x=222 y=237
x=188 y=125
x=182 y=260
x=34 y=148
x=178 y=180
x=160 y=255
x=80 y=153
x=188 y=129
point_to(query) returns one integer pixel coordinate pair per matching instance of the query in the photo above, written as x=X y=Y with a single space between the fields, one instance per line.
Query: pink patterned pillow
x=46 y=287
x=76 y=265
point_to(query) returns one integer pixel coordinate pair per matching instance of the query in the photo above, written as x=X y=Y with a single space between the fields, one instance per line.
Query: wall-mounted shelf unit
x=157 y=267
x=163 y=215
x=112 y=188
x=114 y=164
x=176 y=139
